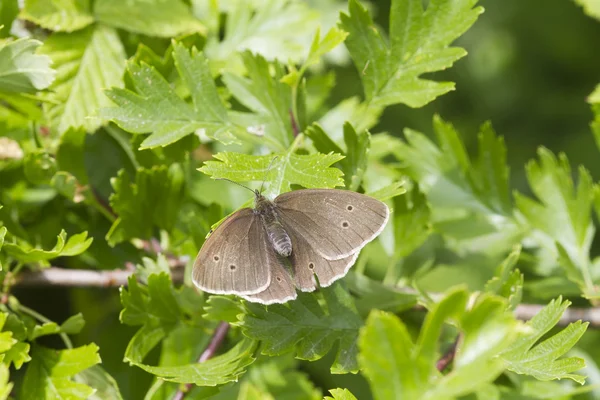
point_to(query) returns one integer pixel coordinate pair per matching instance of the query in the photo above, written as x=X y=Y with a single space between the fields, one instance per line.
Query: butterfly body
x=301 y=240
x=278 y=237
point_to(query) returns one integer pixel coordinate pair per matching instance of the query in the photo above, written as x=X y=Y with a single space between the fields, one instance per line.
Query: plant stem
x=41 y=318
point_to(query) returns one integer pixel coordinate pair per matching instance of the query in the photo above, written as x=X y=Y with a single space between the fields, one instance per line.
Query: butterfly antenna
x=237 y=183
x=267 y=173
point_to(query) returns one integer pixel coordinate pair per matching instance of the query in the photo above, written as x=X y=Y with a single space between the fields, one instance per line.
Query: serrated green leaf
x=221 y=308
x=5 y=385
x=225 y=368
x=274 y=29
x=73 y=324
x=541 y=360
x=155 y=106
x=266 y=96
x=39 y=167
x=562 y=215
x=309 y=171
x=152 y=201
x=87 y=62
x=18 y=355
x=105 y=386
x=397 y=367
x=318 y=49
x=149 y=267
x=21 y=70
x=412 y=225
x=49 y=374
x=419 y=43
x=389 y=191
x=371 y=294
x=340 y=394
x=76 y=245
x=471 y=197
x=163 y=18
x=508 y=281
x=362 y=116
x=135 y=303
x=65 y=184
x=306 y=328
x=66 y=16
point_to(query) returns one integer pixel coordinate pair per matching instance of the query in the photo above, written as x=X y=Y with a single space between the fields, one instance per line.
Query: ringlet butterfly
x=263 y=254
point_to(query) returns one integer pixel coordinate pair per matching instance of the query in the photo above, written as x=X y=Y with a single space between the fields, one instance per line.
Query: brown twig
x=448 y=357
x=215 y=342
x=55 y=276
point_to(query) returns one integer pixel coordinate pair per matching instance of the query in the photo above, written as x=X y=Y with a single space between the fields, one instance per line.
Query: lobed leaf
x=87 y=62
x=419 y=43
x=153 y=200
x=155 y=107
x=306 y=328
x=25 y=253
x=49 y=374
x=542 y=360
x=163 y=18
x=21 y=70
x=309 y=171
x=66 y=16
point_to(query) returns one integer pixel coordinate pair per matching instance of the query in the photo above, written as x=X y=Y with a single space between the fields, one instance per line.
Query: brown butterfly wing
x=280 y=290
x=237 y=258
x=335 y=223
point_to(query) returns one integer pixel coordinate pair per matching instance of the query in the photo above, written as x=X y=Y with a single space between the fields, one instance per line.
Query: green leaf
x=152 y=201
x=39 y=167
x=471 y=197
x=371 y=294
x=389 y=191
x=65 y=184
x=309 y=171
x=66 y=16
x=306 y=328
x=590 y=7
x=104 y=385
x=274 y=29
x=340 y=394
x=149 y=267
x=397 y=367
x=318 y=49
x=9 y=9
x=5 y=385
x=541 y=360
x=419 y=43
x=221 y=308
x=157 y=108
x=25 y=253
x=362 y=116
x=87 y=62
x=219 y=370
x=561 y=218
x=266 y=96
x=49 y=374
x=412 y=224
x=508 y=281
x=21 y=70
x=355 y=158
x=18 y=355
x=163 y=18
x=71 y=326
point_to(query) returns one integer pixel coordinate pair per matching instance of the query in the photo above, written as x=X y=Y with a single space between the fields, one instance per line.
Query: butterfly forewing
x=335 y=223
x=236 y=258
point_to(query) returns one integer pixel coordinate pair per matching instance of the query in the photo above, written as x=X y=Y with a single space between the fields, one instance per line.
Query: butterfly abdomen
x=279 y=238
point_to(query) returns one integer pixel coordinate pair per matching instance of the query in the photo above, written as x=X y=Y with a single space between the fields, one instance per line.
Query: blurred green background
x=529 y=68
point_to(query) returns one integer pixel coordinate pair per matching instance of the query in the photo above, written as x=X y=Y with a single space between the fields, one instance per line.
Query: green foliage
x=120 y=121
x=21 y=70
x=418 y=44
x=152 y=201
x=524 y=356
x=307 y=328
